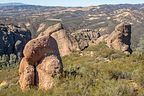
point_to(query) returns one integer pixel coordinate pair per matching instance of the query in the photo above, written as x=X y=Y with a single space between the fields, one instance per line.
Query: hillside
x=88 y=51
x=96 y=71
x=102 y=18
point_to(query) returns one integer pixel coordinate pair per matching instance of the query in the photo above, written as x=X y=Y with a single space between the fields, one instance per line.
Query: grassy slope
x=106 y=73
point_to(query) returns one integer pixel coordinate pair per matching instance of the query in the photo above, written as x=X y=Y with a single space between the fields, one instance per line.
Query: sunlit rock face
x=41 y=63
x=119 y=39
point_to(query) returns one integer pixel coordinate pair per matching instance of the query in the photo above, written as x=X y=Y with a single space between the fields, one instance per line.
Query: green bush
x=8 y=61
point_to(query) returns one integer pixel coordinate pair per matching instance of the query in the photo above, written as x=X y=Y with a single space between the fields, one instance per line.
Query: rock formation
x=48 y=67
x=27 y=74
x=101 y=39
x=119 y=39
x=84 y=44
x=86 y=37
x=66 y=42
x=40 y=64
x=36 y=48
x=13 y=39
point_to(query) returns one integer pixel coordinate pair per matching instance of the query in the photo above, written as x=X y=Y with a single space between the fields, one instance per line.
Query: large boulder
x=39 y=47
x=46 y=70
x=66 y=42
x=119 y=39
x=13 y=39
x=26 y=73
x=40 y=64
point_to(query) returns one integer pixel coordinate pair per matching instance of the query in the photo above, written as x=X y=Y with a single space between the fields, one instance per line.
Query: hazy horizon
x=72 y=3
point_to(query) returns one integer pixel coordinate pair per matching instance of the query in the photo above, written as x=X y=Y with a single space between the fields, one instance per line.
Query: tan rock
x=101 y=39
x=26 y=73
x=83 y=45
x=37 y=48
x=47 y=69
x=23 y=64
x=119 y=39
x=40 y=64
x=66 y=42
x=51 y=29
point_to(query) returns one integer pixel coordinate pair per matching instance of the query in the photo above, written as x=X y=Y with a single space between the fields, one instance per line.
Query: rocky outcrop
x=40 y=64
x=48 y=67
x=13 y=39
x=86 y=37
x=84 y=44
x=36 y=48
x=26 y=73
x=101 y=39
x=66 y=42
x=87 y=34
x=119 y=39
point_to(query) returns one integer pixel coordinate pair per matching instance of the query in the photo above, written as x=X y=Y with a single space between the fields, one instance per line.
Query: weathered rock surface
x=47 y=69
x=101 y=39
x=26 y=73
x=13 y=39
x=40 y=64
x=86 y=37
x=66 y=42
x=83 y=45
x=39 y=47
x=119 y=39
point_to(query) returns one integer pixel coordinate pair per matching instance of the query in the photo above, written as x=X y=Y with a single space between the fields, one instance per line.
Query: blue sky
x=73 y=2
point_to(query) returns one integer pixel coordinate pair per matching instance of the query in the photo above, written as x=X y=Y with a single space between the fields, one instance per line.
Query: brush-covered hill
x=96 y=71
x=102 y=18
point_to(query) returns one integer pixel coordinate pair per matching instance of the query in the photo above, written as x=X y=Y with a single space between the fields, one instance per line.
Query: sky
x=73 y=3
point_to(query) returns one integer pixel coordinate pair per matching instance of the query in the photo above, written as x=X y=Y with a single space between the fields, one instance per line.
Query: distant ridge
x=12 y=4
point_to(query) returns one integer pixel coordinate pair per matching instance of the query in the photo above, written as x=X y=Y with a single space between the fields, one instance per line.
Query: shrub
x=4 y=61
x=8 y=61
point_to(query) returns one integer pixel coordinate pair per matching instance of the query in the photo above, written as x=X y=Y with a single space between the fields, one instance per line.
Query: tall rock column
x=119 y=39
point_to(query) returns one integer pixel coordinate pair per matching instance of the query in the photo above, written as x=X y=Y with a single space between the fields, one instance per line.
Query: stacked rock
x=40 y=64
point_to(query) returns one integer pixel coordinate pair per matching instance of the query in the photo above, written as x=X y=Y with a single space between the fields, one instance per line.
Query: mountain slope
x=102 y=18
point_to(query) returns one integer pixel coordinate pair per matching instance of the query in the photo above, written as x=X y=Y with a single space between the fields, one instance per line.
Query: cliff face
x=13 y=39
x=120 y=38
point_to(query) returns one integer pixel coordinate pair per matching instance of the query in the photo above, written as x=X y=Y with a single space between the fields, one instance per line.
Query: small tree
x=12 y=59
x=4 y=60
